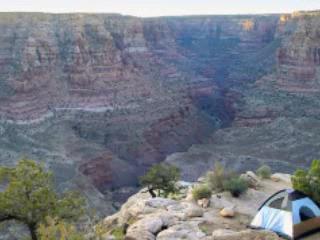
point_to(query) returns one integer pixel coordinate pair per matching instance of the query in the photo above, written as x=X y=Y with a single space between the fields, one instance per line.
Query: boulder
x=139 y=234
x=168 y=219
x=151 y=225
x=204 y=203
x=138 y=206
x=185 y=230
x=277 y=177
x=227 y=212
x=252 y=179
x=135 y=206
x=185 y=210
x=226 y=234
x=194 y=211
x=159 y=202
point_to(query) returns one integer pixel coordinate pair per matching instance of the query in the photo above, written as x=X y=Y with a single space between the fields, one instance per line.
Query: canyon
x=99 y=98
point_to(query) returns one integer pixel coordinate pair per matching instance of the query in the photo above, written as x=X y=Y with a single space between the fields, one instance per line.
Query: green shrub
x=236 y=186
x=264 y=172
x=217 y=177
x=201 y=191
x=308 y=181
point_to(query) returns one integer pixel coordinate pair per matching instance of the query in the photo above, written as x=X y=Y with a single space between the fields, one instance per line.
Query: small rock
x=204 y=203
x=252 y=179
x=277 y=177
x=227 y=212
x=150 y=224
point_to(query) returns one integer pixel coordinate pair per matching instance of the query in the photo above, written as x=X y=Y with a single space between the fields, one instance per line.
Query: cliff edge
x=223 y=218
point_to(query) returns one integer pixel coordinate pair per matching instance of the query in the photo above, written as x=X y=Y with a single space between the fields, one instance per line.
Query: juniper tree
x=29 y=197
x=161 y=177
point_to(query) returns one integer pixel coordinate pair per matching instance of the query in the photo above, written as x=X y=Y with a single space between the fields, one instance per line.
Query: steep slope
x=277 y=120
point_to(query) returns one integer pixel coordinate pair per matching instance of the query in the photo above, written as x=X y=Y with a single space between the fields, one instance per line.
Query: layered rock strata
x=101 y=97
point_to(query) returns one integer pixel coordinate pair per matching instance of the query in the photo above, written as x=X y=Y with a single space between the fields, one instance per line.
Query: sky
x=148 y=8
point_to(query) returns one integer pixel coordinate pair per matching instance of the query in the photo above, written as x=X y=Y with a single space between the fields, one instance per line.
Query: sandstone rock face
x=299 y=56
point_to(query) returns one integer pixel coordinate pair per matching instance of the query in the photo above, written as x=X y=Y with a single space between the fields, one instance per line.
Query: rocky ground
x=226 y=217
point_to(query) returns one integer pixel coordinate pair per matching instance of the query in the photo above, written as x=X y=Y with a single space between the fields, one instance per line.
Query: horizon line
x=156 y=16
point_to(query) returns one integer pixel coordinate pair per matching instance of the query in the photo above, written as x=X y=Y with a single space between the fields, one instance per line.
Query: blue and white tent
x=289 y=213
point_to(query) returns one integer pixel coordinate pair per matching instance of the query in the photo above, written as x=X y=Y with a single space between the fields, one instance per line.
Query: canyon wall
x=276 y=120
x=101 y=97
